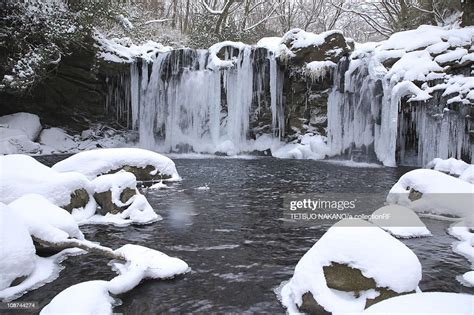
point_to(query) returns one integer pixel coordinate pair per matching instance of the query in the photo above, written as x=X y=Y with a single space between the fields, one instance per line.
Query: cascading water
x=369 y=116
x=181 y=102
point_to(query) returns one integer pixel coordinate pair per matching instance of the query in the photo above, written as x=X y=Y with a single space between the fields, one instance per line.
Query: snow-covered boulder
x=44 y=220
x=399 y=221
x=143 y=263
x=94 y=297
x=91 y=297
x=425 y=303
x=56 y=140
x=14 y=141
x=145 y=165
x=306 y=47
x=17 y=252
x=22 y=174
x=28 y=124
x=353 y=265
x=426 y=190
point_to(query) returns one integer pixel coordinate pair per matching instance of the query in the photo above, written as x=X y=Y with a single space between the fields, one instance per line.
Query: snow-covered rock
x=399 y=221
x=91 y=297
x=143 y=263
x=425 y=303
x=45 y=220
x=17 y=252
x=13 y=141
x=450 y=166
x=426 y=190
x=22 y=174
x=146 y=165
x=113 y=191
x=120 y=201
x=27 y=123
x=308 y=147
x=465 y=246
x=94 y=297
x=57 y=140
x=357 y=244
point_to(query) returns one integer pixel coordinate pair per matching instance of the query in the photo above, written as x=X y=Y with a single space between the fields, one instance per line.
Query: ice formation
x=203 y=101
x=365 y=112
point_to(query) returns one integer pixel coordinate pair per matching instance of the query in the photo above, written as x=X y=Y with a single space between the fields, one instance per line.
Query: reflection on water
x=233 y=237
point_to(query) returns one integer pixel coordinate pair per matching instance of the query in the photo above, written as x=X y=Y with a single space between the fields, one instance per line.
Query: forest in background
x=35 y=35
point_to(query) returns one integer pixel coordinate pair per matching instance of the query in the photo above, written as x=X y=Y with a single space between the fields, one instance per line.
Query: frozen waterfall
x=182 y=102
x=373 y=118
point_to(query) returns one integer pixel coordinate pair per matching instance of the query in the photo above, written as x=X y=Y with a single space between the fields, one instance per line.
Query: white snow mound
x=45 y=220
x=359 y=245
x=22 y=174
x=96 y=162
x=399 y=221
x=27 y=123
x=425 y=303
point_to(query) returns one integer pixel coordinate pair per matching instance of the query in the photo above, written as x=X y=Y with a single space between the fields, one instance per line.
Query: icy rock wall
x=202 y=101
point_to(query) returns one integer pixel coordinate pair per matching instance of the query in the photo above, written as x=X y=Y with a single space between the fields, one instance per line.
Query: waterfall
x=370 y=116
x=179 y=103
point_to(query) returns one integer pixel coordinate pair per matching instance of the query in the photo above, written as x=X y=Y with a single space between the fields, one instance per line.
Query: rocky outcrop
x=107 y=204
x=79 y=199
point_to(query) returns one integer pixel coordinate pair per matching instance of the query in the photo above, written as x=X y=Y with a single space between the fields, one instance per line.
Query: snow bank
x=467 y=279
x=465 y=246
x=17 y=252
x=124 y=51
x=425 y=303
x=360 y=245
x=468 y=175
x=45 y=220
x=22 y=174
x=56 y=140
x=91 y=297
x=96 y=162
x=270 y=43
x=115 y=183
x=399 y=221
x=28 y=124
x=307 y=147
x=440 y=193
x=450 y=166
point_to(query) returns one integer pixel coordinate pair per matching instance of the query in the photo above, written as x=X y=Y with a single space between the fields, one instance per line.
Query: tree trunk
x=467 y=13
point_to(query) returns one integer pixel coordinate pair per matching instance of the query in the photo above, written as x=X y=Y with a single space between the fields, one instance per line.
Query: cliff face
x=404 y=100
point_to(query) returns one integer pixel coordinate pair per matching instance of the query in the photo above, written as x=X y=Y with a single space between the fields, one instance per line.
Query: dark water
x=233 y=238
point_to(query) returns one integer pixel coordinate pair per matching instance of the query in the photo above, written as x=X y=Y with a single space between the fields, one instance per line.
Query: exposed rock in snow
x=23 y=175
x=372 y=254
x=425 y=190
x=27 y=123
x=45 y=220
x=399 y=221
x=425 y=303
x=144 y=164
x=120 y=201
x=17 y=252
x=56 y=140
